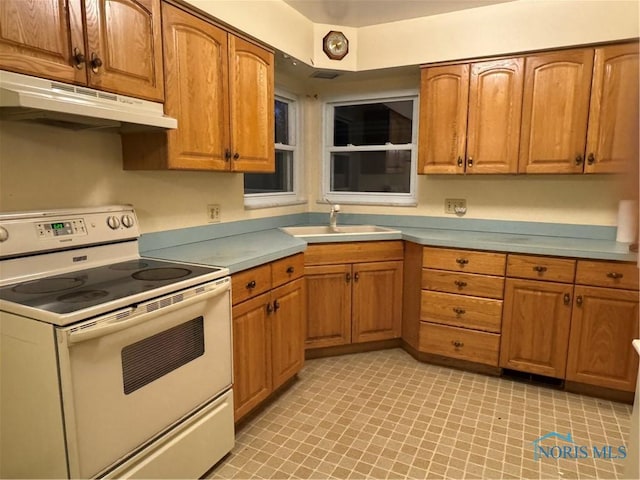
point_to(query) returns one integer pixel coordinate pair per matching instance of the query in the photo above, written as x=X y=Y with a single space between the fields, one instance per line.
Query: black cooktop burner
x=69 y=292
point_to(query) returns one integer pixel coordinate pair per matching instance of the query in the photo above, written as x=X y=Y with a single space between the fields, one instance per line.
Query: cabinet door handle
x=269 y=308
x=615 y=275
x=460 y=283
x=78 y=58
x=459 y=311
x=579 y=159
x=579 y=300
x=591 y=159
x=290 y=270
x=540 y=269
x=227 y=154
x=236 y=156
x=356 y=276
x=459 y=161
x=462 y=261
x=567 y=299
x=348 y=277
x=470 y=162
x=276 y=305
x=251 y=285
x=96 y=62
x=457 y=343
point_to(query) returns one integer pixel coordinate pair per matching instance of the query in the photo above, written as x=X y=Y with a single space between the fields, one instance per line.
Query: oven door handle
x=115 y=325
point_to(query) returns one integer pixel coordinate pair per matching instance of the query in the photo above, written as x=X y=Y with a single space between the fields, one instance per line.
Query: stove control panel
x=64 y=227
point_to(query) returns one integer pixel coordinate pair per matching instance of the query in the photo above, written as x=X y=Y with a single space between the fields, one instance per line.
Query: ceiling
x=360 y=13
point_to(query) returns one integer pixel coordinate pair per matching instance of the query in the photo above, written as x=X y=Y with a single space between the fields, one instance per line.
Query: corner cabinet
x=355 y=293
x=224 y=106
x=86 y=42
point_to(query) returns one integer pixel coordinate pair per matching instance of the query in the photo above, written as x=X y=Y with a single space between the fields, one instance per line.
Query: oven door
x=130 y=375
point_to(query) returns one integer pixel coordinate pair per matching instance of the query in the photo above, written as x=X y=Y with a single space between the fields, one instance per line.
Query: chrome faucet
x=333 y=217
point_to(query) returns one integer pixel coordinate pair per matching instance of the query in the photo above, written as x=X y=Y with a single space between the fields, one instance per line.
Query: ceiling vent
x=325 y=74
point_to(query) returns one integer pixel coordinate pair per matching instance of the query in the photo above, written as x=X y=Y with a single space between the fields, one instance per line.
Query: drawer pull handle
x=615 y=275
x=567 y=299
x=457 y=343
x=462 y=261
x=459 y=311
x=460 y=283
x=290 y=270
x=251 y=285
x=540 y=269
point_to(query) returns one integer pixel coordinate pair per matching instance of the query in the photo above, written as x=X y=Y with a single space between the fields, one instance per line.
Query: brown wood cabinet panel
x=377 y=301
x=40 y=37
x=470 y=345
x=495 y=105
x=463 y=283
x=287 y=269
x=612 y=139
x=125 y=35
x=541 y=268
x=351 y=252
x=249 y=283
x=467 y=261
x=555 y=110
x=444 y=93
x=461 y=311
x=411 y=293
x=287 y=331
x=328 y=305
x=251 y=355
x=535 y=327
x=603 y=324
x=251 y=78
x=607 y=274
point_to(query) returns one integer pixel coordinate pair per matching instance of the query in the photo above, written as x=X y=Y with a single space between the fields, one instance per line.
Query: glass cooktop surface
x=72 y=291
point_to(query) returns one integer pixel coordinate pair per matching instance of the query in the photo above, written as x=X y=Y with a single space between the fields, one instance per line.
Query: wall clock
x=335 y=45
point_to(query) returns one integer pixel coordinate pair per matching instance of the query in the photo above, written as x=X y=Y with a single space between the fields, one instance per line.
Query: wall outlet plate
x=213 y=213
x=455 y=206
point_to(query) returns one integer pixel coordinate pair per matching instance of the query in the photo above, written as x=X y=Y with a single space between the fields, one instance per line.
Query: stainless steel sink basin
x=320 y=230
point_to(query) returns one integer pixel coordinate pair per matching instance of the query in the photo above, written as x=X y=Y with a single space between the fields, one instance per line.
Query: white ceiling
x=360 y=13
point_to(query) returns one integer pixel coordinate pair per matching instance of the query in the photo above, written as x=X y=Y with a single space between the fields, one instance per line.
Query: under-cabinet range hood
x=23 y=97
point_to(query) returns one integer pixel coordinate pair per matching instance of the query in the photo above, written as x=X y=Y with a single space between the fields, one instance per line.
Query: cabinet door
x=535 y=327
x=612 y=141
x=328 y=305
x=287 y=331
x=444 y=93
x=40 y=37
x=252 y=107
x=124 y=37
x=604 y=323
x=495 y=106
x=252 y=380
x=197 y=91
x=377 y=301
x=554 y=112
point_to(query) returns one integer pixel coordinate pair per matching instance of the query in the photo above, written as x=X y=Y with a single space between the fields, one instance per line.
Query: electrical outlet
x=455 y=206
x=213 y=213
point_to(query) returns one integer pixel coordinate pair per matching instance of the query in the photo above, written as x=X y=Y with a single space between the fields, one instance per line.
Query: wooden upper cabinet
x=612 y=141
x=251 y=79
x=124 y=37
x=40 y=37
x=444 y=94
x=555 y=111
x=495 y=105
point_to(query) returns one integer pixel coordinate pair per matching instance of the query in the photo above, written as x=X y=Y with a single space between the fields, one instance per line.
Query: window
x=281 y=187
x=370 y=151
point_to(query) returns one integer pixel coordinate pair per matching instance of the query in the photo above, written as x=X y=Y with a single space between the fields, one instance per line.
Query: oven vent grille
x=166 y=301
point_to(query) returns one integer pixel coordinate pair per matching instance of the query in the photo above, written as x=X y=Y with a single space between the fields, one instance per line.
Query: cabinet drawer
x=607 y=274
x=351 y=252
x=541 y=268
x=463 y=283
x=287 y=269
x=249 y=283
x=471 y=345
x=464 y=260
x=461 y=311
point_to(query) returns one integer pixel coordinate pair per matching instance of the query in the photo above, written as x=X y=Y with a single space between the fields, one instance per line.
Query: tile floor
x=384 y=415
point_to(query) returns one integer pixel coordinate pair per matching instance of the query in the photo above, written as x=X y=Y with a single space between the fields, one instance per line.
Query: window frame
x=369 y=198
x=294 y=197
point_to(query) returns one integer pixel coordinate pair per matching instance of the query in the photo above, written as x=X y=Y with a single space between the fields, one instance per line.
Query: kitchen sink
x=320 y=230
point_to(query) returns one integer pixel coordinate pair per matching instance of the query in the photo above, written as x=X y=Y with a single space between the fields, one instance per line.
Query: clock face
x=335 y=45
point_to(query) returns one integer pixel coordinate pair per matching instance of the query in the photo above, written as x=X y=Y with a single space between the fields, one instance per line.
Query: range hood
x=23 y=97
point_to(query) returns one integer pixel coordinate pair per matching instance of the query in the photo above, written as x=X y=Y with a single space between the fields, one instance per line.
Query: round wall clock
x=335 y=45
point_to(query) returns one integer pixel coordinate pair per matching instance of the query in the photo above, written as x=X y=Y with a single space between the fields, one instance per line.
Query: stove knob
x=127 y=221
x=4 y=235
x=113 y=222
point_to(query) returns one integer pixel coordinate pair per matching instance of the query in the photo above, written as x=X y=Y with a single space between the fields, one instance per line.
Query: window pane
x=387 y=171
x=282 y=122
x=278 y=182
x=373 y=123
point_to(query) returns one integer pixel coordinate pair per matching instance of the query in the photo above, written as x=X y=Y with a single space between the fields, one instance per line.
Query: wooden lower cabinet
x=287 y=331
x=603 y=323
x=535 y=327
